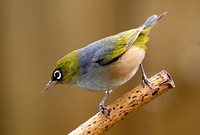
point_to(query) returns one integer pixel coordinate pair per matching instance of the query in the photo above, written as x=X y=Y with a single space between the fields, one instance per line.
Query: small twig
x=126 y=105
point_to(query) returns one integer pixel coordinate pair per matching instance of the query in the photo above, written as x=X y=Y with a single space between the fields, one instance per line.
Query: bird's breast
x=127 y=65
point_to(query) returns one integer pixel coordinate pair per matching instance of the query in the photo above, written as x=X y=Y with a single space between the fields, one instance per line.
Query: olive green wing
x=113 y=47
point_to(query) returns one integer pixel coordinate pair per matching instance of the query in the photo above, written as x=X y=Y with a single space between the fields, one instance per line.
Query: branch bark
x=126 y=105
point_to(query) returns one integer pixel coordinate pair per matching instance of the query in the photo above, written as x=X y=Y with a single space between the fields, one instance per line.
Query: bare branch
x=126 y=105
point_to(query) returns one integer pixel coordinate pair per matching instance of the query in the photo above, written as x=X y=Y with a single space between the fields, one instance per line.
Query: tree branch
x=127 y=104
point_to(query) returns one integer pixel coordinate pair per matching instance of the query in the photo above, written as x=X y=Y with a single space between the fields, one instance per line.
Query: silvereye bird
x=107 y=63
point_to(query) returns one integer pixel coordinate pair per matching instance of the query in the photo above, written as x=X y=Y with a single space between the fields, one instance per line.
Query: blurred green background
x=35 y=34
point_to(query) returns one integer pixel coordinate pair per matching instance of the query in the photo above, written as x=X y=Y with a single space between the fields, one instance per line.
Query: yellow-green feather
x=119 y=50
x=143 y=38
x=69 y=67
x=124 y=40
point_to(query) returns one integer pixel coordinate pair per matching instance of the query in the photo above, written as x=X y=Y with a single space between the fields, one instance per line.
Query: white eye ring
x=57 y=74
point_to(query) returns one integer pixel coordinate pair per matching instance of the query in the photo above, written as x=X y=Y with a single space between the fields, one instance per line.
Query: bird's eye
x=57 y=75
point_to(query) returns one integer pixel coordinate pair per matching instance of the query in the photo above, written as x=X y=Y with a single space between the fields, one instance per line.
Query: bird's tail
x=152 y=20
x=140 y=35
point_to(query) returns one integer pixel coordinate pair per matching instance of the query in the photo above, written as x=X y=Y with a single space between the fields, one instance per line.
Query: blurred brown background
x=35 y=34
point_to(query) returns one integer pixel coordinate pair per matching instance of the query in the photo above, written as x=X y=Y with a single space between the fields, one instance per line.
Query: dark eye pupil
x=57 y=75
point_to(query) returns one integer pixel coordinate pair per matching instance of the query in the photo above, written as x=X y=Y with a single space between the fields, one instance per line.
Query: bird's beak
x=49 y=85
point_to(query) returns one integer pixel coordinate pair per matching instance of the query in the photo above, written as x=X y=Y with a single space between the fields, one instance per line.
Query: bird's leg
x=102 y=108
x=145 y=80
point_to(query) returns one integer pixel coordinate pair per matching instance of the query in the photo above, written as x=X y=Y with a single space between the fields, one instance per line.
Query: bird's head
x=65 y=71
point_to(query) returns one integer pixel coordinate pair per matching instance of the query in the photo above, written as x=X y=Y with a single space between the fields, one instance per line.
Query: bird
x=107 y=63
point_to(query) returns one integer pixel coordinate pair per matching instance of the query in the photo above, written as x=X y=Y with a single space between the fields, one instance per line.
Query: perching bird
x=107 y=63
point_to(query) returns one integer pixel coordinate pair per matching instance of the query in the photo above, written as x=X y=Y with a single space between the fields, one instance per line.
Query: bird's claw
x=105 y=111
x=146 y=81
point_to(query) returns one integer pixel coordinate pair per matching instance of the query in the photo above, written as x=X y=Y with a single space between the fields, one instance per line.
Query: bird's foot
x=104 y=110
x=146 y=81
